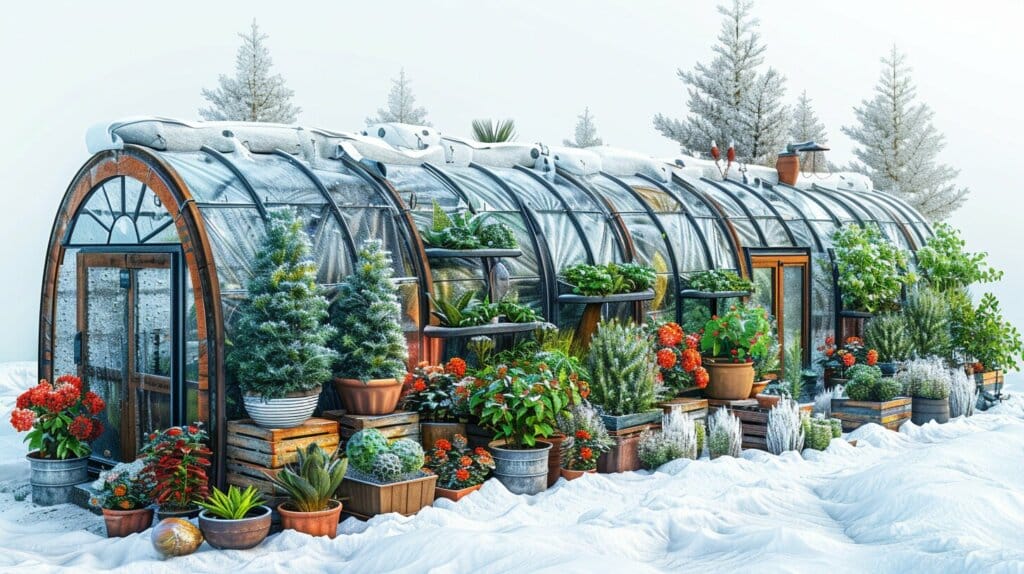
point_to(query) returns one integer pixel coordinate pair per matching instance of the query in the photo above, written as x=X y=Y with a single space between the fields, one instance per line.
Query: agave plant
x=455 y=312
x=233 y=504
x=312 y=481
x=489 y=131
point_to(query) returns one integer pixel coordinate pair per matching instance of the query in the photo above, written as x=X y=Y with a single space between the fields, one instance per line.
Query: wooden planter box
x=696 y=408
x=991 y=381
x=396 y=425
x=753 y=420
x=623 y=456
x=854 y=414
x=624 y=422
x=365 y=499
x=252 y=450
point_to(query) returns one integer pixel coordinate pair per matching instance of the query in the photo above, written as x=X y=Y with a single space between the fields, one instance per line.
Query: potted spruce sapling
x=279 y=354
x=177 y=460
x=234 y=519
x=623 y=375
x=311 y=483
x=385 y=476
x=371 y=345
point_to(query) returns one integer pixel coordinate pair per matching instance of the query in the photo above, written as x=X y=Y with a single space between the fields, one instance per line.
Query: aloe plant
x=312 y=481
x=233 y=504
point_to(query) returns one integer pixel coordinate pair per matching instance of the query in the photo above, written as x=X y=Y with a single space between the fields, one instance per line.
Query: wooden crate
x=396 y=425
x=753 y=419
x=991 y=381
x=696 y=408
x=889 y=414
x=253 y=450
x=624 y=455
x=365 y=499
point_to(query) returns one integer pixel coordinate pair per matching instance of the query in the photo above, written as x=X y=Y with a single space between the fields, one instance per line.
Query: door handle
x=78 y=348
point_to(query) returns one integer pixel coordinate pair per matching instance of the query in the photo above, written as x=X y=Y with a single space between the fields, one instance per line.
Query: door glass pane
x=792 y=304
x=152 y=370
x=105 y=344
x=764 y=287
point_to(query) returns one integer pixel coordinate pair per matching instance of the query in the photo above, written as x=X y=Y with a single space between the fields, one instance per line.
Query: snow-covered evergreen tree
x=253 y=94
x=401 y=105
x=806 y=126
x=899 y=144
x=586 y=131
x=730 y=100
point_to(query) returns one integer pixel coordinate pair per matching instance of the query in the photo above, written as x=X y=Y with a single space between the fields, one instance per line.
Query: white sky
x=67 y=65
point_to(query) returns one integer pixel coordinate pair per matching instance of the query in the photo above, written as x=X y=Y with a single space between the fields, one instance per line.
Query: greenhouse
x=152 y=246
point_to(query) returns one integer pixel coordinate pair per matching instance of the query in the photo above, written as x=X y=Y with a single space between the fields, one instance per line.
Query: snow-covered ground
x=937 y=498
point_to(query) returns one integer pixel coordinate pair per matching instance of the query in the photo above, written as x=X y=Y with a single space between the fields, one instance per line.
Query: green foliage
x=489 y=131
x=987 y=337
x=945 y=265
x=927 y=315
x=867 y=384
x=370 y=453
x=622 y=369
x=635 y=276
x=741 y=334
x=793 y=371
x=520 y=405
x=610 y=279
x=312 y=481
x=725 y=434
x=698 y=427
x=695 y=315
x=464 y=230
x=279 y=342
x=368 y=316
x=719 y=280
x=819 y=433
x=497 y=236
x=887 y=334
x=676 y=439
x=234 y=504
x=925 y=379
x=872 y=271
x=364 y=446
x=467 y=310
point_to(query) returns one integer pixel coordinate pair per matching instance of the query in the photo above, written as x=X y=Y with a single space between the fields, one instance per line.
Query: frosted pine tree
x=253 y=94
x=586 y=131
x=765 y=119
x=806 y=126
x=401 y=105
x=899 y=144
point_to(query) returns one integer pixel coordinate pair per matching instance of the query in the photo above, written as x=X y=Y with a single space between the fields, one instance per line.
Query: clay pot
x=574 y=474
x=374 y=397
x=729 y=381
x=767 y=401
x=121 y=523
x=788 y=168
x=319 y=523
x=455 y=495
x=240 y=534
x=757 y=388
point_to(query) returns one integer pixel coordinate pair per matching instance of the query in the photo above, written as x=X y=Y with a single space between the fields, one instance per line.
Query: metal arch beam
x=772 y=208
x=726 y=226
x=889 y=211
x=686 y=212
x=850 y=212
x=572 y=218
x=849 y=197
x=345 y=231
x=900 y=208
x=222 y=159
x=803 y=216
x=810 y=197
x=626 y=245
x=449 y=183
x=746 y=210
x=909 y=209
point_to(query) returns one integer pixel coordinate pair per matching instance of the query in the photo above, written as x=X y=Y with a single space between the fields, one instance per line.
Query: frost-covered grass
x=936 y=498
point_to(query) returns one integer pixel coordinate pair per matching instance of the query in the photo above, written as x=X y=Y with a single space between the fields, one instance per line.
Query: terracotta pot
x=757 y=388
x=767 y=401
x=555 y=457
x=121 y=523
x=186 y=514
x=374 y=397
x=319 y=523
x=788 y=168
x=574 y=474
x=430 y=432
x=729 y=381
x=240 y=534
x=455 y=495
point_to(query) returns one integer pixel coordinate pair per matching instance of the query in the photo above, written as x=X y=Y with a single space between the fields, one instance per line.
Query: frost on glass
x=208 y=180
x=66 y=326
x=345 y=188
x=277 y=181
x=105 y=345
x=153 y=353
x=235 y=235
x=330 y=252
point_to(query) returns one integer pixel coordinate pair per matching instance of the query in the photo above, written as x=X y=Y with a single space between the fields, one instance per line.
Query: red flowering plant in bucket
x=60 y=418
x=176 y=461
x=678 y=357
x=438 y=393
x=456 y=466
x=838 y=360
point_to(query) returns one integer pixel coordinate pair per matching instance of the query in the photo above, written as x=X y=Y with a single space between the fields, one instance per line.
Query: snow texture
x=935 y=498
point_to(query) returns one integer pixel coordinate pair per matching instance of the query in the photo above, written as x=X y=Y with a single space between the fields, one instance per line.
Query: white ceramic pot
x=286 y=412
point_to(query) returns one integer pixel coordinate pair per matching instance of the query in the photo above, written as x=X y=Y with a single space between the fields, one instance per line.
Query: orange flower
x=462 y=475
x=22 y=419
x=419 y=386
x=700 y=377
x=465 y=461
x=120 y=490
x=849 y=359
x=670 y=335
x=456 y=366
x=583 y=434
x=872 y=357
x=480 y=451
x=443 y=444
x=586 y=453
x=691 y=360
x=499 y=398
x=666 y=358
x=125 y=505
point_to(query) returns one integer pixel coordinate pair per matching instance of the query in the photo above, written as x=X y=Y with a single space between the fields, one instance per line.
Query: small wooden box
x=365 y=499
x=396 y=425
x=889 y=414
x=253 y=450
x=696 y=408
x=753 y=419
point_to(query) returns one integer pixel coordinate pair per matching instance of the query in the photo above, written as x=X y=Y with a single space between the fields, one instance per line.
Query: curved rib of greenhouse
x=203 y=192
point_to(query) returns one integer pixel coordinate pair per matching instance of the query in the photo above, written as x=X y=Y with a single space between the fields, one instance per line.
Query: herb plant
x=463 y=230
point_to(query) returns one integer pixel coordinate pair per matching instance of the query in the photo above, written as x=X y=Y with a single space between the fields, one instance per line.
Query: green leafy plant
x=279 y=342
x=741 y=334
x=927 y=315
x=521 y=406
x=468 y=311
x=370 y=454
x=465 y=230
x=871 y=270
x=489 y=131
x=887 y=334
x=622 y=369
x=587 y=437
x=987 y=337
x=312 y=481
x=234 y=504
x=719 y=281
x=453 y=312
x=633 y=277
x=945 y=265
x=867 y=384
x=367 y=315
x=792 y=383
x=589 y=280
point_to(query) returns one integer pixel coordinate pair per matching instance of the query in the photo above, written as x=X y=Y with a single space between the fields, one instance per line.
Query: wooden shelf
x=856 y=314
x=616 y=298
x=442 y=253
x=694 y=294
x=439 y=332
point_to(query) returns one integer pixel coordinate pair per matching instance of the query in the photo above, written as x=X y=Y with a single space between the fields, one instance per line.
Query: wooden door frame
x=800 y=256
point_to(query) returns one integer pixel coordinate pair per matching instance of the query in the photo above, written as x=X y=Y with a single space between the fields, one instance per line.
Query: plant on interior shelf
x=927 y=316
x=234 y=519
x=371 y=344
x=587 y=439
x=279 y=355
x=719 y=281
x=467 y=310
x=871 y=270
x=311 y=483
x=676 y=439
x=623 y=371
x=725 y=434
x=785 y=429
x=178 y=459
x=609 y=279
x=963 y=394
x=123 y=493
x=887 y=334
x=459 y=470
x=732 y=341
x=678 y=357
x=464 y=230
x=866 y=383
x=928 y=383
x=945 y=265
x=988 y=338
x=61 y=420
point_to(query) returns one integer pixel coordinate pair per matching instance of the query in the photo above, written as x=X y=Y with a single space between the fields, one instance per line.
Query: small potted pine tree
x=370 y=342
x=279 y=353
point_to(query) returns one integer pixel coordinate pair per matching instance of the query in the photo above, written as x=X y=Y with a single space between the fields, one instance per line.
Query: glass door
x=782 y=283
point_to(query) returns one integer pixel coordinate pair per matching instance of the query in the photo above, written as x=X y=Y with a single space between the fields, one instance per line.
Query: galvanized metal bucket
x=522 y=471
x=54 y=480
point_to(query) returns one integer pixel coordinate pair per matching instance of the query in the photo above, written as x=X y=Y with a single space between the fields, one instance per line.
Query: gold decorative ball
x=176 y=537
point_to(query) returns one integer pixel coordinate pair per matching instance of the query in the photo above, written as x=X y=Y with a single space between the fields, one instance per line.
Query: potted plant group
x=123 y=493
x=235 y=519
x=610 y=279
x=871 y=398
x=440 y=394
x=311 y=483
x=279 y=354
x=61 y=421
x=586 y=440
x=460 y=471
x=927 y=382
x=177 y=460
x=732 y=341
x=871 y=272
x=370 y=342
x=678 y=357
x=385 y=476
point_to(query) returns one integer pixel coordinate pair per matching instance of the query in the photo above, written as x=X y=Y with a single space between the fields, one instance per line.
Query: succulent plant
x=819 y=433
x=313 y=479
x=409 y=453
x=387 y=467
x=364 y=446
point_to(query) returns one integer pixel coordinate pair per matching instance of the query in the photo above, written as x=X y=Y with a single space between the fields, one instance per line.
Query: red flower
x=692 y=341
x=499 y=398
x=700 y=377
x=830 y=340
x=174 y=431
x=466 y=461
x=457 y=367
x=480 y=451
x=419 y=386
x=443 y=444
x=408 y=379
x=586 y=453
x=462 y=475
x=22 y=419
x=666 y=358
x=691 y=360
x=872 y=357
x=584 y=389
x=670 y=335
x=583 y=434
x=193 y=429
x=81 y=427
x=849 y=359
x=94 y=403
x=97 y=430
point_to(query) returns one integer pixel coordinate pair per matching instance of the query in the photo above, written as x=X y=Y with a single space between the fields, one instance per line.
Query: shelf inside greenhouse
x=694 y=294
x=442 y=253
x=500 y=328
x=615 y=298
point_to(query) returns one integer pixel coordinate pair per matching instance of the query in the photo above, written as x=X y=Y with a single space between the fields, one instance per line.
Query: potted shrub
x=370 y=342
x=586 y=440
x=871 y=398
x=623 y=375
x=385 y=477
x=177 y=460
x=460 y=471
x=123 y=494
x=732 y=341
x=871 y=271
x=278 y=353
x=679 y=437
x=311 y=483
x=61 y=421
x=887 y=334
x=440 y=396
x=927 y=317
x=927 y=382
x=234 y=520
x=678 y=358
x=986 y=337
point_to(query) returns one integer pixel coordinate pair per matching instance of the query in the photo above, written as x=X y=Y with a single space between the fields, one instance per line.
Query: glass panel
x=105 y=345
x=277 y=180
x=345 y=188
x=66 y=326
x=153 y=356
x=88 y=231
x=764 y=288
x=124 y=231
x=123 y=211
x=235 y=235
x=207 y=178
x=791 y=325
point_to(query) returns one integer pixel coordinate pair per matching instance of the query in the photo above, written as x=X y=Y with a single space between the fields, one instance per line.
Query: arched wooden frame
x=138 y=163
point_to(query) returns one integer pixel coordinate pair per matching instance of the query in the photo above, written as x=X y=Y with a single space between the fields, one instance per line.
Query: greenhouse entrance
x=782 y=280
x=129 y=346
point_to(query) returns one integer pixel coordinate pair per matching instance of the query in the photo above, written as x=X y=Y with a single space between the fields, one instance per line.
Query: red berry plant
x=177 y=459
x=456 y=466
x=60 y=418
x=678 y=356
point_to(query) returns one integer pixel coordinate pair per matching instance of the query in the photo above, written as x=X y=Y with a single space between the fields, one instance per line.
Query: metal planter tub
x=522 y=471
x=925 y=410
x=620 y=422
x=53 y=481
x=286 y=412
